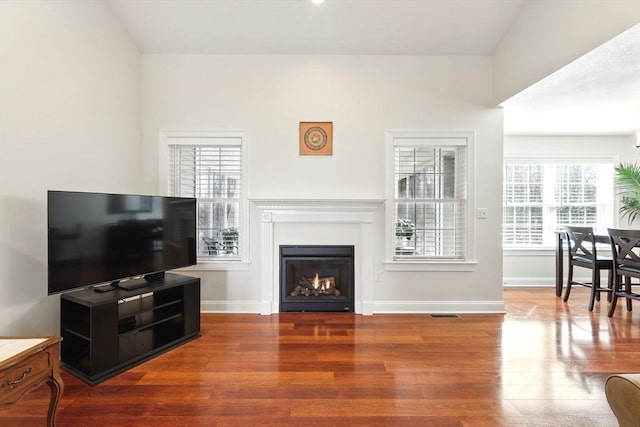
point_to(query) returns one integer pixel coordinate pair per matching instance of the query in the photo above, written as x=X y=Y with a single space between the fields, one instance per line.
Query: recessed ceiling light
x=317 y=1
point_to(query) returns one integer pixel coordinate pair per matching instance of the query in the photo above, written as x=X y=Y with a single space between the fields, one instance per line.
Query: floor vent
x=444 y=316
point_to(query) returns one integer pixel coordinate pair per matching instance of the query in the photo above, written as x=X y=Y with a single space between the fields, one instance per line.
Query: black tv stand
x=106 y=333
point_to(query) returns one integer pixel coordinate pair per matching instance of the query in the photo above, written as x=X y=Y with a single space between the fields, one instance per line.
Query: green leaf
x=628 y=188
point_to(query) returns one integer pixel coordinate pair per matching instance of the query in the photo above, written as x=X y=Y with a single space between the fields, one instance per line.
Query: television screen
x=96 y=238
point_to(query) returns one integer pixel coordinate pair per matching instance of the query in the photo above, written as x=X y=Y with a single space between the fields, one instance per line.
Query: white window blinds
x=212 y=173
x=523 y=204
x=430 y=177
x=206 y=171
x=542 y=197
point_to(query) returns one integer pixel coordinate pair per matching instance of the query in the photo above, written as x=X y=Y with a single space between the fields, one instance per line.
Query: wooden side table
x=26 y=363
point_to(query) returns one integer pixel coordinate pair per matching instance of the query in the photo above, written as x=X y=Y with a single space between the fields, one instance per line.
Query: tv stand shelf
x=106 y=333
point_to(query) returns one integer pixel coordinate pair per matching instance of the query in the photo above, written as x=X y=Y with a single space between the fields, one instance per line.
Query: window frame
x=433 y=138
x=212 y=137
x=549 y=159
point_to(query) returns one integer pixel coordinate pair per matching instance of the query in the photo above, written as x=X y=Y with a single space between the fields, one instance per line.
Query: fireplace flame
x=316 y=286
x=323 y=285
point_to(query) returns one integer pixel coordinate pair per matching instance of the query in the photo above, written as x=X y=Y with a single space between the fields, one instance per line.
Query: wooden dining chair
x=625 y=247
x=583 y=253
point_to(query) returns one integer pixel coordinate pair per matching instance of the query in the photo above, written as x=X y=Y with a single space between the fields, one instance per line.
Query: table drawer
x=18 y=379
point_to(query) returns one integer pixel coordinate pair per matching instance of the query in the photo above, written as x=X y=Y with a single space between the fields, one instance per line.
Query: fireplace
x=316 y=278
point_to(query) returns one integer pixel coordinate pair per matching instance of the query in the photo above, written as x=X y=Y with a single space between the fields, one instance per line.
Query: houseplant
x=627 y=185
x=230 y=239
x=404 y=228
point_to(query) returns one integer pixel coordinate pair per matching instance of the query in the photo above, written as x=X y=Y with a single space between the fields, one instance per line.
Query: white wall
x=526 y=267
x=547 y=35
x=363 y=96
x=69 y=119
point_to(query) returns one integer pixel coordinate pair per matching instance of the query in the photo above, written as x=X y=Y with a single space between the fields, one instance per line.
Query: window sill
x=222 y=265
x=422 y=265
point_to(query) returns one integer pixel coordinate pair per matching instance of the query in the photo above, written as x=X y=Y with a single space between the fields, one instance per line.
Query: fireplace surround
x=317 y=222
x=316 y=278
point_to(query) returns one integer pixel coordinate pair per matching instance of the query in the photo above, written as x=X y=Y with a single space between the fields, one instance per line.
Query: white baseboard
x=529 y=281
x=213 y=306
x=542 y=282
x=439 y=307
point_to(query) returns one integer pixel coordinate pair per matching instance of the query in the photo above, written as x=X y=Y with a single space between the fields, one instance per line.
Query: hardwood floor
x=544 y=363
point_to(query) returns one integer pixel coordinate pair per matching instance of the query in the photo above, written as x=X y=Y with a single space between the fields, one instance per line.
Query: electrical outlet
x=482 y=213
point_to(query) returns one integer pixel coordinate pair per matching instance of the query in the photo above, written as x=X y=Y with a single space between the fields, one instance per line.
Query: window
x=430 y=206
x=542 y=196
x=210 y=166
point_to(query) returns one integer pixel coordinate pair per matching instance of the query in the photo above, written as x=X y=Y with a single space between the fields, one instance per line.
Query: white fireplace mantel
x=355 y=216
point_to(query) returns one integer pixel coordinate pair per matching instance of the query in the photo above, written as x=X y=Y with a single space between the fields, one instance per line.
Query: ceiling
x=375 y=27
x=598 y=93
x=574 y=100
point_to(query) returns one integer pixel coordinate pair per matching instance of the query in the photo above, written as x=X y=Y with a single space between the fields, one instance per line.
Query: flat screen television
x=97 y=239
